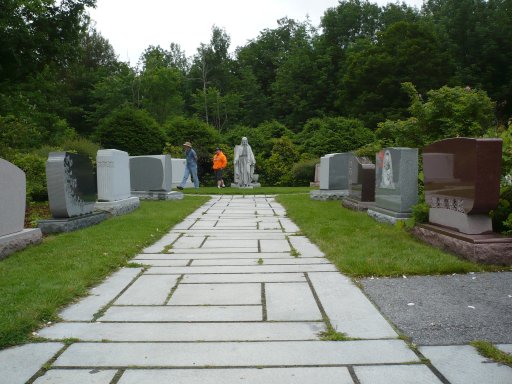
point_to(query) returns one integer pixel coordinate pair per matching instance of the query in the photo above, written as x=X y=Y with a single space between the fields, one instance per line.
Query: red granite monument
x=462 y=186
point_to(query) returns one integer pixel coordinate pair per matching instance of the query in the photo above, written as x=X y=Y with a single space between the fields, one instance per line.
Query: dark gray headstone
x=396 y=182
x=12 y=198
x=72 y=187
x=151 y=173
x=361 y=179
x=334 y=171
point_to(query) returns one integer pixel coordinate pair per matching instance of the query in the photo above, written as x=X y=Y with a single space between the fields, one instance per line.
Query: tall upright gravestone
x=151 y=177
x=396 y=184
x=462 y=186
x=13 y=236
x=333 y=177
x=113 y=175
x=72 y=193
x=361 y=194
x=178 y=170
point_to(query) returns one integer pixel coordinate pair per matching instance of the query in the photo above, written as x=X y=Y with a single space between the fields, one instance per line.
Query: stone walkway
x=234 y=294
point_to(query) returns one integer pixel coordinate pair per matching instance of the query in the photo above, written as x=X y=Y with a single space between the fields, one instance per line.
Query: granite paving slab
x=214 y=250
x=243 y=269
x=19 y=364
x=263 y=261
x=208 y=256
x=325 y=375
x=287 y=301
x=163 y=262
x=148 y=290
x=100 y=296
x=188 y=242
x=461 y=364
x=305 y=247
x=184 y=331
x=244 y=278
x=394 y=374
x=217 y=294
x=507 y=348
x=77 y=376
x=236 y=354
x=275 y=246
x=348 y=308
x=212 y=313
x=160 y=245
x=226 y=244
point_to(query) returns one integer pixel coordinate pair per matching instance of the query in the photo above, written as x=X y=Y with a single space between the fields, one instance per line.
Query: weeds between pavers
x=489 y=351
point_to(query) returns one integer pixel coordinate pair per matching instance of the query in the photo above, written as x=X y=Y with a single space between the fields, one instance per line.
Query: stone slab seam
x=43 y=368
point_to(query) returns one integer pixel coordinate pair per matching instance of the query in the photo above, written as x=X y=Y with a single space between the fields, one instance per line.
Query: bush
x=279 y=166
x=83 y=146
x=334 y=134
x=420 y=212
x=502 y=216
x=303 y=172
x=131 y=130
x=34 y=167
x=18 y=134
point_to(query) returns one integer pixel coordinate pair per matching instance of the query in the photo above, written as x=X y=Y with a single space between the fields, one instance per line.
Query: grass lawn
x=36 y=282
x=246 y=191
x=360 y=246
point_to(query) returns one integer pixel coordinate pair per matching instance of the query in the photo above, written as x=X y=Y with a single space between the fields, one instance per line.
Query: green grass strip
x=36 y=282
x=360 y=246
x=246 y=191
x=489 y=351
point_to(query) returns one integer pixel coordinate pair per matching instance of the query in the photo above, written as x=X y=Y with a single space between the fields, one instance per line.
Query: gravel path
x=443 y=310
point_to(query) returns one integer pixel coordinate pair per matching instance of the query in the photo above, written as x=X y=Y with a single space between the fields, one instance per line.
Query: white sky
x=133 y=25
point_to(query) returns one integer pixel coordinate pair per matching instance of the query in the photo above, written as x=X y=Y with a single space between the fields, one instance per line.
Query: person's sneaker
x=180 y=187
x=218 y=187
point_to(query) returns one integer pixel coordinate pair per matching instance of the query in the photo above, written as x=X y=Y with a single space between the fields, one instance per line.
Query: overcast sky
x=132 y=25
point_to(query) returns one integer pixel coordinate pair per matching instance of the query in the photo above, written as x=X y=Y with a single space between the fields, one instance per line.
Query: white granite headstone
x=12 y=198
x=178 y=170
x=113 y=175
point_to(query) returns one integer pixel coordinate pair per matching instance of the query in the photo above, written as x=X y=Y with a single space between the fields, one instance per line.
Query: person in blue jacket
x=191 y=166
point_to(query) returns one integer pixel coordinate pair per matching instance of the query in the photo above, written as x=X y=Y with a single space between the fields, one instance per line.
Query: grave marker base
x=72 y=223
x=489 y=248
x=158 y=195
x=19 y=240
x=119 y=207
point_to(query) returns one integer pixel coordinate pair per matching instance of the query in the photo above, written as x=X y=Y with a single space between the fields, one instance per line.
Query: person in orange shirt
x=219 y=163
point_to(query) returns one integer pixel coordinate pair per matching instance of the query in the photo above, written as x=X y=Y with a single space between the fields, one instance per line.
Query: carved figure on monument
x=244 y=164
x=387 y=172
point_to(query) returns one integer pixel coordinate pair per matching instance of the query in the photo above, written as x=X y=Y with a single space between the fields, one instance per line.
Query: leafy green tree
x=334 y=134
x=132 y=130
x=479 y=38
x=371 y=87
x=447 y=112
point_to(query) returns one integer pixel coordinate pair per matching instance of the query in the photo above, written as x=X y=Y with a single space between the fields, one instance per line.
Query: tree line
x=366 y=77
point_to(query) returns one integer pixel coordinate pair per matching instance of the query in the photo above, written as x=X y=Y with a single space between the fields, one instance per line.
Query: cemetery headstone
x=151 y=177
x=178 y=169
x=13 y=236
x=333 y=177
x=114 y=194
x=72 y=193
x=316 y=180
x=396 y=184
x=361 y=184
x=462 y=185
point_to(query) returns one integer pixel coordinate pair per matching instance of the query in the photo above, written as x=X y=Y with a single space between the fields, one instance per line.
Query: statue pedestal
x=250 y=186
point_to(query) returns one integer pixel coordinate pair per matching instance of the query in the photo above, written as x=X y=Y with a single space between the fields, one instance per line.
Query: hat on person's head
x=187 y=144
x=217 y=149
